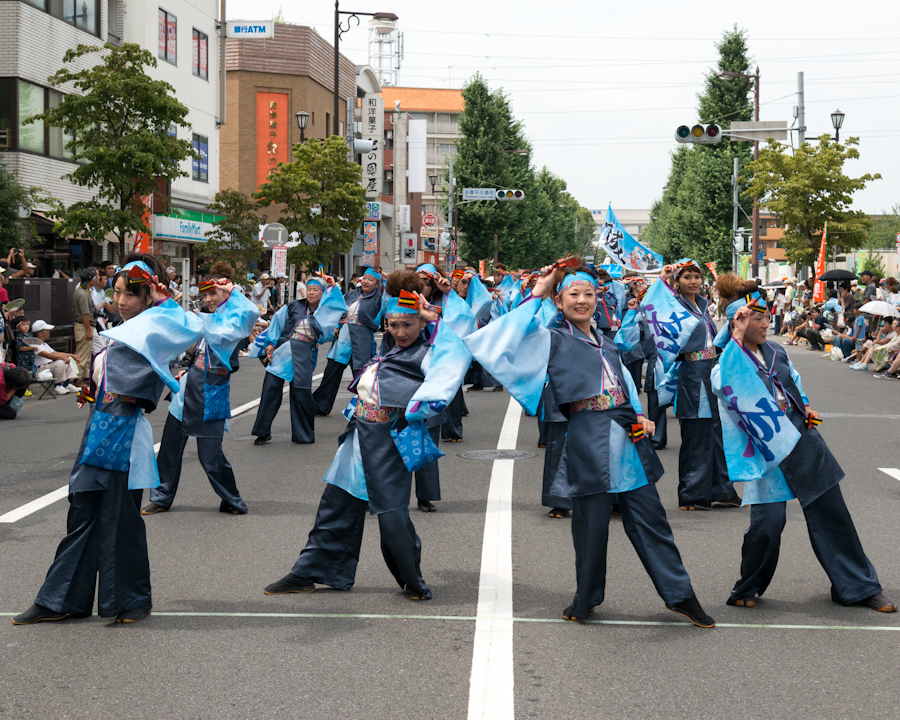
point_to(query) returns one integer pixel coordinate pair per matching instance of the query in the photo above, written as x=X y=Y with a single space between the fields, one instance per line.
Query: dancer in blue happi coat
x=106 y=537
x=772 y=445
x=606 y=451
x=292 y=340
x=684 y=332
x=610 y=304
x=355 y=343
x=412 y=378
x=202 y=406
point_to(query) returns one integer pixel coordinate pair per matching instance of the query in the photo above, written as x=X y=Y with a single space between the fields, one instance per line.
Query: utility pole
x=735 y=256
x=754 y=250
x=451 y=209
x=496 y=250
x=801 y=111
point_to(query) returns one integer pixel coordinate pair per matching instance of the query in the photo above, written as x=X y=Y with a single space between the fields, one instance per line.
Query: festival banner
x=481 y=268
x=712 y=269
x=143 y=241
x=819 y=289
x=624 y=249
x=744 y=267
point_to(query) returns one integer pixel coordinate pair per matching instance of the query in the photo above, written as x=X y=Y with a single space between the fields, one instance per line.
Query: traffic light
x=510 y=195
x=699 y=134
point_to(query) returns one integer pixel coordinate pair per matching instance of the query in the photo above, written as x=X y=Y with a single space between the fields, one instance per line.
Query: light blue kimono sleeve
x=232 y=322
x=515 y=297
x=498 y=309
x=548 y=312
x=143 y=472
x=341 y=349
x=282 y=364
x=276 y=325
x=506 y=287
x=332 y=307
x=620 y=292
x=516 y=350
x=633 y=396
x=629 y=335
x=159 y=334
x=384 y=304
x=445 y=369
x=458 y=315
x=176 y=406
x=478 y=298
x=346 y=470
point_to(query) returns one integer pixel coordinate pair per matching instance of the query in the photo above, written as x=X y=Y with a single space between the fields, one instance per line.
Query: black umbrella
x=838 y=275
x=774 y=284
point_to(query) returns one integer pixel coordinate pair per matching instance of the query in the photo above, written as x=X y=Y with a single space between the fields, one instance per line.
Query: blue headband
x=141 y=264
x=394 y=308
x=754 y=300
x=374 y=273
x=684 y=264
x=427 y=268
x=316 y=281
x=579 y=278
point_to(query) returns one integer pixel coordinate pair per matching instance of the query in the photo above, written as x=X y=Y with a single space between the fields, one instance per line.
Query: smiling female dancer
x=105 y=531
x=607 y=452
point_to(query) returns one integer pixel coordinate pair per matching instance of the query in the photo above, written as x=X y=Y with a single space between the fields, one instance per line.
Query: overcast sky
x=602 y=87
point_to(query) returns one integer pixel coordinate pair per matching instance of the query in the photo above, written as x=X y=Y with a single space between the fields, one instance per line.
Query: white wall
x=199 y=95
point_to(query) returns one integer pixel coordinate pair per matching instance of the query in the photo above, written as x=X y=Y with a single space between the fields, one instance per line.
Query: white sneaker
x=849 y=359
x=61 y=390
x=72 y=388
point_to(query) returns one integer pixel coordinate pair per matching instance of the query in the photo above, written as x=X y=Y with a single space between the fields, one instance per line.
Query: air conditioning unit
x=4 y=138
x=389 y=135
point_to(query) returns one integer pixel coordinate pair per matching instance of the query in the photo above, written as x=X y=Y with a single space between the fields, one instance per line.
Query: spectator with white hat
x=46 y=358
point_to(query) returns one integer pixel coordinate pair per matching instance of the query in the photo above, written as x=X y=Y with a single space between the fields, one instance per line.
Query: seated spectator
x=813 y=329
x=881 y=349
x=46 y=358
x=852 y=344
x=14 y=381
x=798 y=327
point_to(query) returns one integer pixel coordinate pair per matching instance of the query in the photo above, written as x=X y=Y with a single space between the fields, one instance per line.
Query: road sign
x=759 y=130
x=408 y=248
x=429 y=220
x=479 y=194
x=250 y=29
x=429 y=232
x=279 y=260
x=898 y=238
x=274 y=234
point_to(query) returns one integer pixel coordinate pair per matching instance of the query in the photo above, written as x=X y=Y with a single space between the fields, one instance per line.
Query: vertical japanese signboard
x=271 y=133
x=370 y=244
x=279 y=260
x=373 y=129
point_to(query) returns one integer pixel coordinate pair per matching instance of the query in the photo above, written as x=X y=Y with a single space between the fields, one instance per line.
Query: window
x=327 y=123
x=312 y=118
x=33 y=137
x=168 y=37
x=201 y=166
x=58 y=140
x=83 y=14
x=201 y=54
x=31 y=102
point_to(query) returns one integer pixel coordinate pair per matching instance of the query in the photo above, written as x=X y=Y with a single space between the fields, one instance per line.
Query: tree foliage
x=808 y=188
x=117 y=129
x=492 y=151
x=232 y=237
x=883 y=233
x=694 y=216
x=317 y=195
x=15 y=232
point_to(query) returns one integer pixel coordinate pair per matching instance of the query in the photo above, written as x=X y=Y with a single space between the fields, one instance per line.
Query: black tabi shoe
x=134 y=615
x=290 y=583
x=262 y=440
x=38 y=613
x=691 y=609
x=152 y=509
x=569 y=614
x=748 y=601
x=499 y=388
x=475 y=387
x=877 y=602
x=415 y=594
x=225 y=507
x=558 y=513
x=427 y=506
x=731 y=502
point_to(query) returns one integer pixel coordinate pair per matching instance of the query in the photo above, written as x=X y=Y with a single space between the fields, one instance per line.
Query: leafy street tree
x=117 y=130
x=232 y=237
x=808 y=188
x=14 y=232
x=317 y=195
x=884 y=229
x=694 y=216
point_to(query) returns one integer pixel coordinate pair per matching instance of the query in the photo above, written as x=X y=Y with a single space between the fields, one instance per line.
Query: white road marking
x=893 y=472
x=491 y=685
x=58 y=494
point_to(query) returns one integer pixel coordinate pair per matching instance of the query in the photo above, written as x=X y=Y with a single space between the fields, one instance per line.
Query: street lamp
x=340 y=30
x=837 y=120
x=433 y=180
x=302 y=120
x=754 y=247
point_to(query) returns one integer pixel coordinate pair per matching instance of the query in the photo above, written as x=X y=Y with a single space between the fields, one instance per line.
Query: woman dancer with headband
x=202 y=405
x=369 y=471
x=702 y=475
x=300 y=328
x=773 y=446
x=607 y=452
x=106 y=534
x=355 y=344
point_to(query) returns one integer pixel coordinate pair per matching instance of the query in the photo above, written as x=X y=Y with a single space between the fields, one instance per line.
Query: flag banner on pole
x=712 y=269
x=624 y=249
x=819 y=289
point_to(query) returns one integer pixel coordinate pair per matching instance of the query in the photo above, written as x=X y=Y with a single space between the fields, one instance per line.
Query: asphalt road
x=216 y=647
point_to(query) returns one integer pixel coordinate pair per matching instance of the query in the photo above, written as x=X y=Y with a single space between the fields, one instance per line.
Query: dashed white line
x=893 y=472
x=58 y=494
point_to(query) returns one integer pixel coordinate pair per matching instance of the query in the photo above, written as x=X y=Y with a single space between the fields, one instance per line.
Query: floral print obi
x=604 y=401
x=302 y=331
x=370 y=412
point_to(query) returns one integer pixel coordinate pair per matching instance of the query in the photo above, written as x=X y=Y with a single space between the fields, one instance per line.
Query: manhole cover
x=497 y=454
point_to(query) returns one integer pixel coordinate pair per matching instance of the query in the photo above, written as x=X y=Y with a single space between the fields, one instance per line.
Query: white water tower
x=385 y=47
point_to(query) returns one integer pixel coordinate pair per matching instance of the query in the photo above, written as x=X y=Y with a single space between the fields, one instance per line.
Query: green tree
x=808 y=188
x=317 y=195
x=118 y=130
x=15 y=232
x=694 y=216
x=488 y=155
x=232 y=237
x=883 y=233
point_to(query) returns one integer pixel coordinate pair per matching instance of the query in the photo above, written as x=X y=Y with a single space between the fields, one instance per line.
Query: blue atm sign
x=250 y=29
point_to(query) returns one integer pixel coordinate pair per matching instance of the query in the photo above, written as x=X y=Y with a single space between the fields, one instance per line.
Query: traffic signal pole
x=754 y=250
x=734 y=222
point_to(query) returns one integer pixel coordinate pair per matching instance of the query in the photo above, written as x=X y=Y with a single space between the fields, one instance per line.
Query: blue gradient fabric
x=232 y=321
x=669 y=322
x=478 y=298
x=445 y=368
x=458 y=315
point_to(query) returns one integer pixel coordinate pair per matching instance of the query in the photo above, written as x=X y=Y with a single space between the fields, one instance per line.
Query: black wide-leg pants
x=105 y=538
x=834 y=541
x=658 y=415
x=702 y=472
x=303 y=410
x=645 y=523
x=428 y=479
x=452 y=428
x=326 y=393
x=213 y=460
x=332 y=550
x=555 y=437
